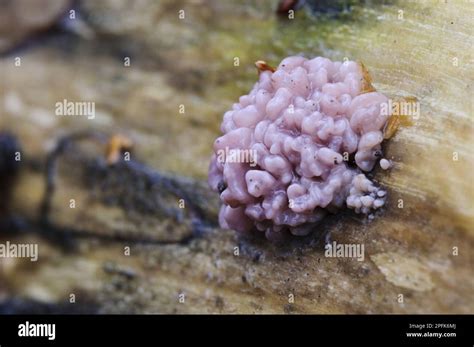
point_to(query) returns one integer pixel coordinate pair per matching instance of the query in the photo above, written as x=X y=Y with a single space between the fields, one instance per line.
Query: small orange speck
x=263 y=66
x=366 y=86
x=396 y=121
x=115 y=146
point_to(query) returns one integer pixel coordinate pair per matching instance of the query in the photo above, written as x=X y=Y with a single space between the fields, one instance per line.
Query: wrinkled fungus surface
x=297 y=146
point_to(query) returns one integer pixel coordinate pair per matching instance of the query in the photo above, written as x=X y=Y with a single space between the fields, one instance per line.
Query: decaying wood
x=417 y=250
x=135 y=203
x=180 y=251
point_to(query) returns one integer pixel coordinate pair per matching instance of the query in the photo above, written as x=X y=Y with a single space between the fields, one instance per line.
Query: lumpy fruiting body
x=283 y=161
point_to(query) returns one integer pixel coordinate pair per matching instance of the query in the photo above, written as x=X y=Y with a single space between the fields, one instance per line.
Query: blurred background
x=161 y=74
